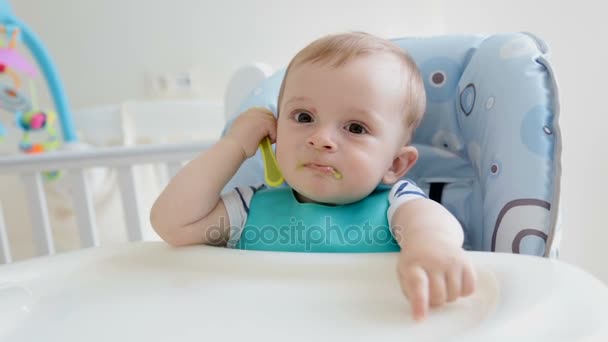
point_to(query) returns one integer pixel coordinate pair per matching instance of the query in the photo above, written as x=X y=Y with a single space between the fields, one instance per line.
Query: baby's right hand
x=250 y=127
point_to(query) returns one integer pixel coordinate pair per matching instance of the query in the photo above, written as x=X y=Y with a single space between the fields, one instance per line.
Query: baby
x=347 y=110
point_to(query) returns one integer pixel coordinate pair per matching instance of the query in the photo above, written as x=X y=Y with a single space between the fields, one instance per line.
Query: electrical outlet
x=173 y=84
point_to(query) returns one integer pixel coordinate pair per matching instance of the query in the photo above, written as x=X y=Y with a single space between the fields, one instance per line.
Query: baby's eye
x=303 y=117
x=356 y=128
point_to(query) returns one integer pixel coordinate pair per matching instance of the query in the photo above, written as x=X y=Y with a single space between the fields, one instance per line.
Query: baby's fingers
x=469 y=280
x=415 y=286
x=270 y=122
x=272 y=131
x=261 y=110
x=438 y=291
x=453 y=279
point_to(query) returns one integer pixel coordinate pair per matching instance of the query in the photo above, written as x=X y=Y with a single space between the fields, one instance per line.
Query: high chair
x=489 y=142
x=490 y=152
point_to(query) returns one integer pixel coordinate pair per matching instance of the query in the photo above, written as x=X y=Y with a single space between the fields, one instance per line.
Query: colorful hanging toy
x=18 y=94
x=12 y=99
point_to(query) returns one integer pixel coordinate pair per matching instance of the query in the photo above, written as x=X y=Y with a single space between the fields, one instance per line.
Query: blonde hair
x=339 y=49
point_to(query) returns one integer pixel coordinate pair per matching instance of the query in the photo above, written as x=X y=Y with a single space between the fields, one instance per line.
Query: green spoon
x=272 y=174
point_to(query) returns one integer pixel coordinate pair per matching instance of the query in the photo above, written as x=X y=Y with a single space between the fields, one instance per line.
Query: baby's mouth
x=324 y=169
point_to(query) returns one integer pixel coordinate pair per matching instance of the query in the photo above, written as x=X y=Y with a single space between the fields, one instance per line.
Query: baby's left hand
x=432 y=271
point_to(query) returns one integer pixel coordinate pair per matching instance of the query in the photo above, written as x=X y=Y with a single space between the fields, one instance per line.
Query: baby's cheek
x=284 y=160
x=362 y=180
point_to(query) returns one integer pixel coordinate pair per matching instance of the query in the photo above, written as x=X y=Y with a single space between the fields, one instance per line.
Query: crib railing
x=73 y=163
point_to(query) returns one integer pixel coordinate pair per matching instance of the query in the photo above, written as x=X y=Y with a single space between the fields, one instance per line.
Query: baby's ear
x=403 y=162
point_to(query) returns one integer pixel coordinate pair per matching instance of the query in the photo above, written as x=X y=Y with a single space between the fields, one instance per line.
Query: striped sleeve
x=403 y=191
x=237 y=204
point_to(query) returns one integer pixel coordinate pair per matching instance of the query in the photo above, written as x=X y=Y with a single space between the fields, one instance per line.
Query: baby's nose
x=322 y=140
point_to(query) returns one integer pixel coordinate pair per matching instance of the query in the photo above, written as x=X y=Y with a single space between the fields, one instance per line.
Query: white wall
x=576 y=33
x=105 y=48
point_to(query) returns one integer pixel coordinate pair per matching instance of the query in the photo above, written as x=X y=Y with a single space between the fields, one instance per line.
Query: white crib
x=73 y=164
x=76 y=162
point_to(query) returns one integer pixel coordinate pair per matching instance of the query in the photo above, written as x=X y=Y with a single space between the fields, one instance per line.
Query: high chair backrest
x=489 y=143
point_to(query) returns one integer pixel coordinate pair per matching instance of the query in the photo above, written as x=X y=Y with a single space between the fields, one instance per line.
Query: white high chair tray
x=151 y=292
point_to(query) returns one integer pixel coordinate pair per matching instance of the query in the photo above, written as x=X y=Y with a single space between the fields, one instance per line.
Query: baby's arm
x=189 y=210
x=433 y=267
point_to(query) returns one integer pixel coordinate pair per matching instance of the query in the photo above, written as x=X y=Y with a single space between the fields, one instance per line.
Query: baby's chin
x=326 y=199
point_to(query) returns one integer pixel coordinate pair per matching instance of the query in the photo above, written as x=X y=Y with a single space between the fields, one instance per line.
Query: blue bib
x=277 y=221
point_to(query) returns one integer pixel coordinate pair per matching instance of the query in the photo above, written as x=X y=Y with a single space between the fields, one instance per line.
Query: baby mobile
x=17 y=76
x=27 y=114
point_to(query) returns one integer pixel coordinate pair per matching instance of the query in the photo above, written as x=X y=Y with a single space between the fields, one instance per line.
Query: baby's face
x=340 y=128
